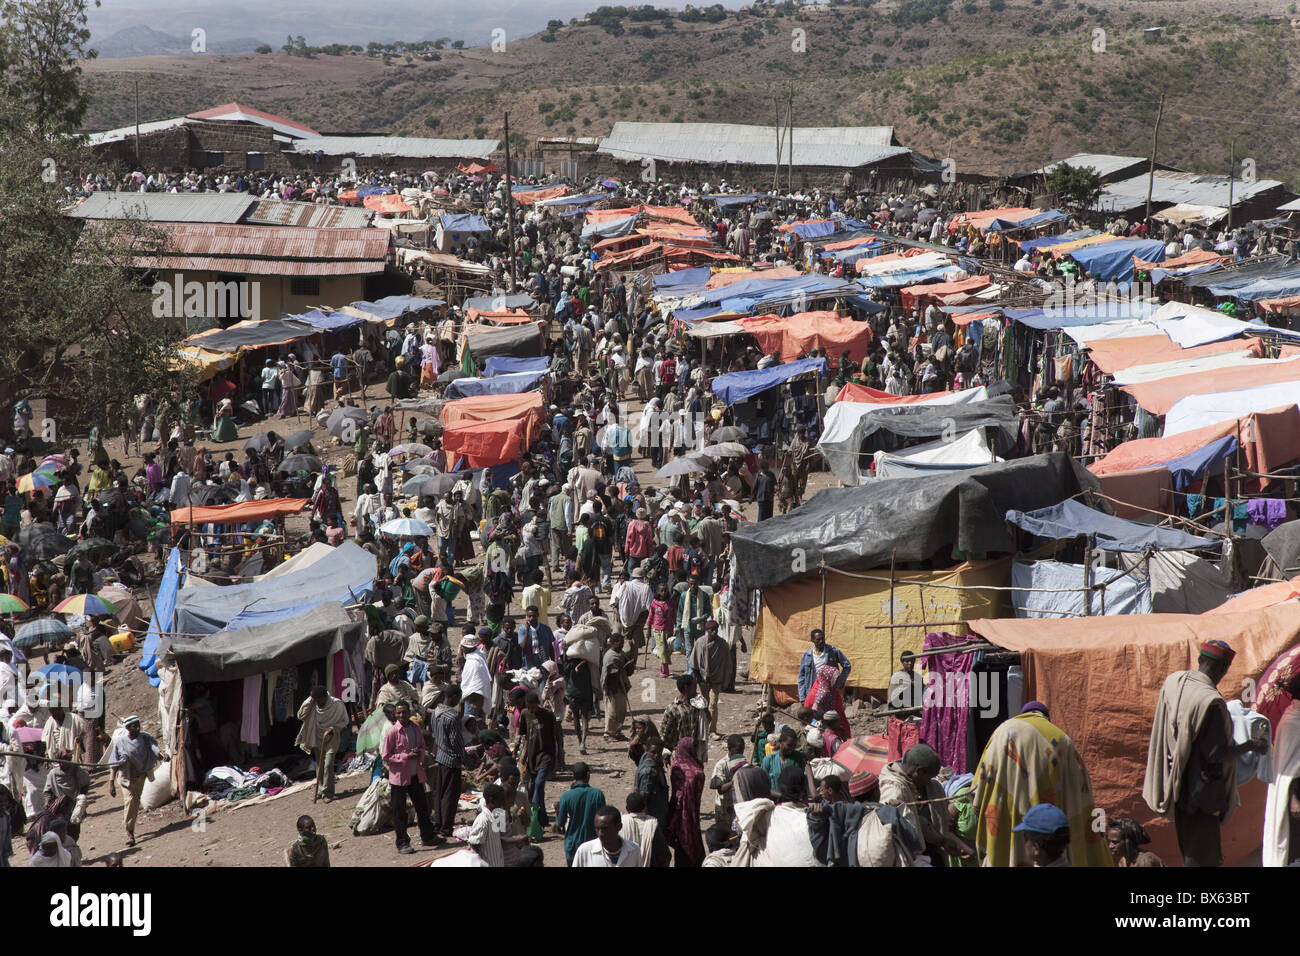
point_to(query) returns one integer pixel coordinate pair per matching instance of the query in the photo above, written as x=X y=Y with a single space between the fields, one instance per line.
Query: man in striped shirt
x=449 y=760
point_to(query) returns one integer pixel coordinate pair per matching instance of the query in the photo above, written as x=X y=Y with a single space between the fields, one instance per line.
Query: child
x=766 y=725
x=662 y=620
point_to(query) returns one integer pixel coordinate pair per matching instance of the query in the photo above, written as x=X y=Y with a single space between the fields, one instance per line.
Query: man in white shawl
x=323 y=719
x=133 y=754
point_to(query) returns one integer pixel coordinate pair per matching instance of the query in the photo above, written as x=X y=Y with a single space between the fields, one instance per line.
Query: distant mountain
x=146 y=41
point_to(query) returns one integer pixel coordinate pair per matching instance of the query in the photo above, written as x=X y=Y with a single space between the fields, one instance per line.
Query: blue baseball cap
x=1043 y=818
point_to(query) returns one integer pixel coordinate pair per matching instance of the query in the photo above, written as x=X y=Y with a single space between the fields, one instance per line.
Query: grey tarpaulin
x=234 y=655
x=524 y=341
x=856 y=529
x=1070 y=519
x=843 y=457
x=1282 y=544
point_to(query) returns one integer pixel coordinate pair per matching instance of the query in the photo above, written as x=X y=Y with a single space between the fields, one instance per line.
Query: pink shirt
x=403 y=752
x=640 y=537
x=661 y=616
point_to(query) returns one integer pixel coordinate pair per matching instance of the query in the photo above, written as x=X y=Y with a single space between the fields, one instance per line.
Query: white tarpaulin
x=711 y=330
x=969 y=451
x=1159 y=370
x=1190 y=325
x=1198 y=411
x=926 y=260
x=1118 y=329
x=1182 y=582
x=1126 y=594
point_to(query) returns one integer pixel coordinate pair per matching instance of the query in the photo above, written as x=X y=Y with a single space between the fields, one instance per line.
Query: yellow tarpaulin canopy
x=791 y=610
x=208 y=362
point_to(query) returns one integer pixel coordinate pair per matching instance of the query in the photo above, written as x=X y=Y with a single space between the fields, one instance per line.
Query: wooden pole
x=1151 y=170
x=789 y=182
x=137 y=123
x=893 y=562
x=1087 y=580
x=1232 y=174
x=510 y=210
x=823 y=569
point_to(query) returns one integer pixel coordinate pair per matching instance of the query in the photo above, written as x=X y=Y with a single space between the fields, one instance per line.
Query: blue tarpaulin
x=737 y=386
x=610 y=228
x=164 y=605
x=374 y=191
x=1276 y=286
x=1045 y=242
x=510 y=364
x=1203 y=463
x=1071 y=518
x=1042 y=219
x=683 y=281
x=464 y=222
x=342 y=576
x=574 y=200
x=328 y=321
x=1055 y=589
x=511 y=384
x=896 y=280
x=499 y=303
x=1113 y=261
x=1071 y=316
x=392 y=306
x=816 y=230
x=870 y=306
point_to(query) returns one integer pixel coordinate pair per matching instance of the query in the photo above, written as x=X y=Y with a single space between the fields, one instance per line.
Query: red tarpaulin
x=1111 y=355
x=852 y=392
x=516 y=317
x=388 y=202
x=797 y=334
x=914 y=296
x=239 y=513
x=527 y=198
x=1197 y=257
x=1160 y=395
x=476 y=169
x=491 y=429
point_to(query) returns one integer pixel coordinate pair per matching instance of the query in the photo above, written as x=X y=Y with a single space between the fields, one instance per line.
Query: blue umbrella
x=58 y=670
x=47 y=630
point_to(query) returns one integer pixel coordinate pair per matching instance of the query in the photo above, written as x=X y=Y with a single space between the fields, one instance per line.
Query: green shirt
x=577 y=816
x=774 y=764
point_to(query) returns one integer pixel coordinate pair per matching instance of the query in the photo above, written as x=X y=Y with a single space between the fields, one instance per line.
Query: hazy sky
x=337 y=21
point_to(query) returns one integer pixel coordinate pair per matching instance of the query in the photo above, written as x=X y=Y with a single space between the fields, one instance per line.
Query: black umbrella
x=337 y=424
x=451 y=375
x=258 y=442
x=295 y=463
x=430 y=484
x=299 y=438
x=253 y=566
x=211 y=494
x=93 y=547
x=728 y=433
x=41 y=542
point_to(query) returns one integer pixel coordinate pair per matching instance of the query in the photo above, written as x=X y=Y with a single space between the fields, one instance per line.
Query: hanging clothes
x=250 y=726
x=947 y=700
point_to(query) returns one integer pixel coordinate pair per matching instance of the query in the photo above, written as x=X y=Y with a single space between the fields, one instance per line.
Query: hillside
x=998 y=85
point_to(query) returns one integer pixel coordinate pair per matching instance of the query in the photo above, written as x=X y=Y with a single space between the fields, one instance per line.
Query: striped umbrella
x=36 y=480
x=88 y=604
x=48 y=630
x=12 y=604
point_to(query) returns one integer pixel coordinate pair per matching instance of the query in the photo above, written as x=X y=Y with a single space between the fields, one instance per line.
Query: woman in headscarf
x=824 y=696
x=643 y=728
x=50 y=852
x=288 y=391
x=684 y=807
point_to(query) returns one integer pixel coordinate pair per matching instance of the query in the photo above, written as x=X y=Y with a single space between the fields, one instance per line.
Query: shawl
x=824 y=696
x=641 y=829
x=1286 y=764
x=1029 y=760
x=1186 y=700
x=317 y=720
x=684 y=807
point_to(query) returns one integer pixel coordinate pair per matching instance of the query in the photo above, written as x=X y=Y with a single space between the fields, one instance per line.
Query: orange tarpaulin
x=1065 y=248
x=797 y=334
x=486 y=443
x=389 y=202
x=670 y=213
x=720 y=280
x=348 y=195
x=982 y=219
x=1270 y=439
x=1256 y=599
x=239 y=513
x=853 y=392
x=525 y=407
x=854 y=243
x=614 y=241
x=1158 y=396
x=604 y=215
x=527 y=198
x=914 y=295
x=1280 y=305
x=1110 y=355
x=1201 y=257
x=474 y=169
x=1139 y=494
x=1100 y=678
x=862 y=264
x=963 y=319
x=509 y=317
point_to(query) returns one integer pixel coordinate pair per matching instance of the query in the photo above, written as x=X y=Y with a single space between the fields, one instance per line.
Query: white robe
x=1286 y=767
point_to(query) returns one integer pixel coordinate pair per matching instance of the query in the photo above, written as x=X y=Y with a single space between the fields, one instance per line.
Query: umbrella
x=53 y=461
x=371 y=734
x=410 y=448
x=406 y=527
x=213 y=494
x=258 y=442
x=864 y=758
x=299 y=438
x=301 y=463
x=728 y=433
x=1273 y=698
x=12 y=604
x=419 y=465
x=430 y=484
x=727 y=449
x=88 y=604
x=91 y=546
x=451 y=375
x=58 y=670
x=336 y=426
x=682 y=466
x=40 y=542
x=47 y=630
x=35 y=480
x=927 y=216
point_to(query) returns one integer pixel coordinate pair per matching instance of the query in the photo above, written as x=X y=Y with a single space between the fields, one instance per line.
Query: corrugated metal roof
x=1292 y=206
x=839 y=146
x=117 y=135
x=270 y=250
x=280 y=212
x=235 y=112
x=412 y=147
x=1174 y=188
x=164 y=207
x=1104 y=163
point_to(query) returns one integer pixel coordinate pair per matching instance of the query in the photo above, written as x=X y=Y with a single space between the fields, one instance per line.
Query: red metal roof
x=234 y=111
x=269 y=250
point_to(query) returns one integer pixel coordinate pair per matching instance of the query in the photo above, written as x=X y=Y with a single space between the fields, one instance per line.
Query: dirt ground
x=258 y=834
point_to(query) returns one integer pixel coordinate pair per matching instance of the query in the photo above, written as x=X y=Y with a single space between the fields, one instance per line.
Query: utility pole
x=789 y=182
x=1232 y=174
x=137 y=123
x=510 y=210
x=777 y=128
x=1151 y=172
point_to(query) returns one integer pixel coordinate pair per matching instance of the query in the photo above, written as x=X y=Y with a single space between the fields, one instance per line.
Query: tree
x=1080 y=185
x=41 y=45
x=264 y=48
x=458 y=45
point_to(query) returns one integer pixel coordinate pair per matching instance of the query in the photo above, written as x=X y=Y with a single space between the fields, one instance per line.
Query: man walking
x=711 y=665
x=133 y=756
x=403 y=753
x=323 y=719
x=577 y=815
x=608 y=849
